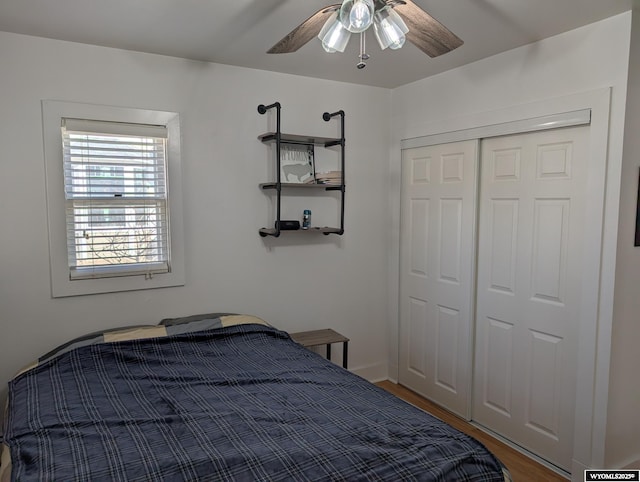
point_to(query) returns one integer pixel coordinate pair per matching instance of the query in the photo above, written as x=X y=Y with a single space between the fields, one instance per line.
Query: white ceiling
x=239 y=32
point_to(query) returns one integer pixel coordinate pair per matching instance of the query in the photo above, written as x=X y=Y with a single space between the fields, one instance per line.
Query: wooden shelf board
x=298 y=139
x=313 y=229
x=310 y=185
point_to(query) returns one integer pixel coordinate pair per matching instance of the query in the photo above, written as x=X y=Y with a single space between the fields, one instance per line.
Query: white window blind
x=115 y=183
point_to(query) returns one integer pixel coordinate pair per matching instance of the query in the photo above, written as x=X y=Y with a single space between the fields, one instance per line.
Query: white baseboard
x=373 y=373
x=533 y=456
x=577 y=471
x=633 y=465
x=578 y=468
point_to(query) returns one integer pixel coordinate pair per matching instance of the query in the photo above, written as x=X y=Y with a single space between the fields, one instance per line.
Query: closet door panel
x=436 y=280
x=529 y=285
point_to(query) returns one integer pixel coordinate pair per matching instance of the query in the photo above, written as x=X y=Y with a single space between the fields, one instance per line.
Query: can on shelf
x=306 y=219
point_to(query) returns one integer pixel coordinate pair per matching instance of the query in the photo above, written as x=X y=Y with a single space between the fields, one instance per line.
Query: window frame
x=53 y=112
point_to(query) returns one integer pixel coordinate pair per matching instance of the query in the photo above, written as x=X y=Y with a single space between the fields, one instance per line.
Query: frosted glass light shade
x=389 y=28
x=357 y=15
x=333 y=35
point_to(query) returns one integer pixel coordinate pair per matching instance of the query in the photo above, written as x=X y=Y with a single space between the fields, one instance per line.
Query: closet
x=492 y=249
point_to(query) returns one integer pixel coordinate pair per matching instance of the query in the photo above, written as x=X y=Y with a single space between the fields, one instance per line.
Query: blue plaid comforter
x=236 y=403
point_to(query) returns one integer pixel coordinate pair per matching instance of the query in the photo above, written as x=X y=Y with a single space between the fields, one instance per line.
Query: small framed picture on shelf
x=297 y=164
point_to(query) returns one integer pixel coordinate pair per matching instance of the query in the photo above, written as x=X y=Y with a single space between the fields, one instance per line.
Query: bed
x=219 y=397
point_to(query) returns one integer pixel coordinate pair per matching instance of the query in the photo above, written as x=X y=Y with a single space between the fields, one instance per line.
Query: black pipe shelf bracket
x=278 y=138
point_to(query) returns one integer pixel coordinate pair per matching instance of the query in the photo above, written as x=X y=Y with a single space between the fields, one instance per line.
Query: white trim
x=552 y=121
x=373 y=373
x=577 y=471
x=91 y=126
x=603 y=184
x=522 y=450
x=594 y=361
x=61 y=284
x=632 y=464
x=147 y=270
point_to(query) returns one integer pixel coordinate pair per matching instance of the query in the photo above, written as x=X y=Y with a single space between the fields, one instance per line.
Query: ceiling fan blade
x=425 y=32
x=304 y=32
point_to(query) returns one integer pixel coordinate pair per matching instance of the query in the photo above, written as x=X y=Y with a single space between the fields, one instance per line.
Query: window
x=116 y=198
x=111 y=218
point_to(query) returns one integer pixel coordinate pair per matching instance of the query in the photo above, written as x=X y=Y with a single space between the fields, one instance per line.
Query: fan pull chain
x=364 y=56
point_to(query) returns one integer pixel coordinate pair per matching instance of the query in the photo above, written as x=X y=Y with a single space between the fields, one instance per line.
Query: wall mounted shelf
x=277 y=187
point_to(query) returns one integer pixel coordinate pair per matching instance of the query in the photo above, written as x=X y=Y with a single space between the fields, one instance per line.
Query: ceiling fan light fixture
x=333 y=35
x=389 y=28
x=357 y=15
x=335 y=23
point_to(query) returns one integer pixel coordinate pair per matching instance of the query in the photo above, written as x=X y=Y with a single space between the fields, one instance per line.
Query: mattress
x=226 y=398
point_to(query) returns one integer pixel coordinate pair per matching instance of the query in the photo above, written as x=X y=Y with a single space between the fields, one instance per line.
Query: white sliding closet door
x=530 y=253
x=438 y=210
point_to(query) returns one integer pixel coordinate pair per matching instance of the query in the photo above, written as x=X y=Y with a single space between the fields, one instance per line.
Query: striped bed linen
x=223 y=399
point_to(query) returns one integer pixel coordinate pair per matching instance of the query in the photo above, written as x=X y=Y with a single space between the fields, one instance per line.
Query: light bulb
x=334 y=36
x=357 y=15
x=389 y=29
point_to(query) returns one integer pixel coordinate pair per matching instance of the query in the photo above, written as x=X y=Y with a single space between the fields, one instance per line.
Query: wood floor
x=522 y=468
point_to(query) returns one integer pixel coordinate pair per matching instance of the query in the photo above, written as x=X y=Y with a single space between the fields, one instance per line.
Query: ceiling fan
x=393 y=21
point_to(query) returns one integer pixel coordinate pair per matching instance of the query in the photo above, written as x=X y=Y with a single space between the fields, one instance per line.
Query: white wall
x=623 y=429
x=586 y=59
x=294 y=282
